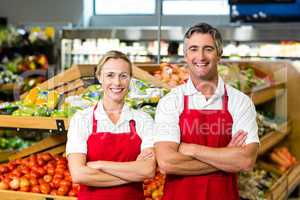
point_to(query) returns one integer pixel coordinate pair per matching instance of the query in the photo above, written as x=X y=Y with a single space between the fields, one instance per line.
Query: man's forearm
x=231 y=159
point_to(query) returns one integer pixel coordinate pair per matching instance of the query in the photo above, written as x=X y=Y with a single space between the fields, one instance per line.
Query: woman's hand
x=146 y=154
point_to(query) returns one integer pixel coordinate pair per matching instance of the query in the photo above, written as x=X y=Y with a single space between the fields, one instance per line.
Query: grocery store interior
x=48 y=55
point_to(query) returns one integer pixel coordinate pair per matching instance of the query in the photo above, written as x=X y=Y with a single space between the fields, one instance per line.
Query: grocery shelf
x=7 y=86
x=34 y=122
x=285 y=184
x=274 y=137
x=17 y=195
x=49 y=143
x=265 y=94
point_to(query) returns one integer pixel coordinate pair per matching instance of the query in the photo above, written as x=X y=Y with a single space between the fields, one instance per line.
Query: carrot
x=278 y=160
x=284 y=157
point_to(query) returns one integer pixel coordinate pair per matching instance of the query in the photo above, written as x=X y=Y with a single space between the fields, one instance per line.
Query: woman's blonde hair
x=112 y=55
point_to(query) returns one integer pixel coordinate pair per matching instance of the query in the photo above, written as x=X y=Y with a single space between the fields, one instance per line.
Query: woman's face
x=115 y=79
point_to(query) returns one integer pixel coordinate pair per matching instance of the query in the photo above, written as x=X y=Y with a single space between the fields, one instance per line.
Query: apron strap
x=225 y=99
x=94 y=120
x=185 y=102
x=132 y=126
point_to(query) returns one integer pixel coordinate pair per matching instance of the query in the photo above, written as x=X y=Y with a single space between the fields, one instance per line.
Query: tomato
x=4 y=185
x=14 y=184
x=45 y=188
x=25 y=188
x=34 y=168
x=51 y=171
x=33 y=181
x=53 y=192
x=24 y=182
x=3 y=169
x=62 y=190
x=75 y=187
x=46 y=157
x=65 y=183
x=56 y=182
x=18 y=161
x=25 y=170
x=36 y=189
x=47 y=178
x=41 y=181
x=41 y=171
x=59 y=171
x=41 y=162
x=72 y=193
x=58 y=175
x=17 y=173
x=34 y=174
x=11 y=166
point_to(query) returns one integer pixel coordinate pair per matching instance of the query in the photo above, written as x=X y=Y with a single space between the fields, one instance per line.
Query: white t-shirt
x=240 y=106
x=81 y=126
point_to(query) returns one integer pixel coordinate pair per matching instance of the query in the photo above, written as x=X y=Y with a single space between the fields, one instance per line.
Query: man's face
x=202 y=57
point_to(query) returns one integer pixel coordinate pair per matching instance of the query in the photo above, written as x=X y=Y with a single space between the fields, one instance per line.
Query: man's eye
x=193 y=49
x=124 y=76
x=109 y=75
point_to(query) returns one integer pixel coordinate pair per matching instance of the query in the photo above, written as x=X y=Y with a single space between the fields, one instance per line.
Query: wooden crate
x=16 y=195
x=273 y=138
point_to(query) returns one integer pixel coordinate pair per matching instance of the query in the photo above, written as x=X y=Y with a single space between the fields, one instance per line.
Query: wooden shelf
x=265 y=94
x=33 y=122
x=285 y=184
x=16 y=195
x=7 y=86
x=271 y=139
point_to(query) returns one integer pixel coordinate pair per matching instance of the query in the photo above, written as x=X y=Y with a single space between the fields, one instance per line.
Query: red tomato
x=58 y=175
x=41 y=171
x=33 y=181
x=62 y=190
x=53 y=192
x=46 y=157
x=65 y=183
x=50 y=170
x=59 y=171
x=34 y=174
x=25 y=188
x=36 y=189
x=41 y=181
x=41 y=162
x=25 y=170
x=56 y=182
x=72 y=193
x=47 y=178
x=11 y=166
x=3 y=169
x=45 y=188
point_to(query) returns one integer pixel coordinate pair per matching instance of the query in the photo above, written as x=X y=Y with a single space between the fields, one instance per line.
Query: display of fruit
x=254 y=185
x=265 y=125
x=172 y=74
x=8 y=77
x=153 y=188
x=39 y=173
x=282 y=158
x=243 y=78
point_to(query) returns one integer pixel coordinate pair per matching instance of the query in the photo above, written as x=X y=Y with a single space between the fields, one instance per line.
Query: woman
x=109 y=146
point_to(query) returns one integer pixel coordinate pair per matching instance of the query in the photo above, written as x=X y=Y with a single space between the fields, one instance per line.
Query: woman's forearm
x=133 y=171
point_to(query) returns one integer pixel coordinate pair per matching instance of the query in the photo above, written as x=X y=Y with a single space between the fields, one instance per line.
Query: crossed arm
x=109 y=173
x=192 y=159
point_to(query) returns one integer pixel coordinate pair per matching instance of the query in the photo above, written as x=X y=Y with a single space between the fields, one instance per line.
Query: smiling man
x=206 y=130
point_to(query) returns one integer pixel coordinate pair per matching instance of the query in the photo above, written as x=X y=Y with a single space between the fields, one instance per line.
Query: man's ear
x=99 y=78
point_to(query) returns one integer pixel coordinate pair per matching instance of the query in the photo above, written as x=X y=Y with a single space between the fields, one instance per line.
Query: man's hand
x=186 y=149
x=238 y=140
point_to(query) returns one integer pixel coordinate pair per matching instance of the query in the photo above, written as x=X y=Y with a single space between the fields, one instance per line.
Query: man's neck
x=206 y=87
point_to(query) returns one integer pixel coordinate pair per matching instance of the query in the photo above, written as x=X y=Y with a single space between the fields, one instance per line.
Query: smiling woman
x=110 y=145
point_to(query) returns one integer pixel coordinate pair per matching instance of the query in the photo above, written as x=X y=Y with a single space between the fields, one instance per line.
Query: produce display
x=153 y=188
x=243 y=78
x=39 y=173
x=265 y=124
x=254 y=185
x=282 y=158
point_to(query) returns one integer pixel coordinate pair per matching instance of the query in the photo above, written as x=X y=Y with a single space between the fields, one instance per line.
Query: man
x=206 y=130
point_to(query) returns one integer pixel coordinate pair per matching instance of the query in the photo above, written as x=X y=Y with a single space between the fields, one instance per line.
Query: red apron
x=113 y=147
x=210 y=128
